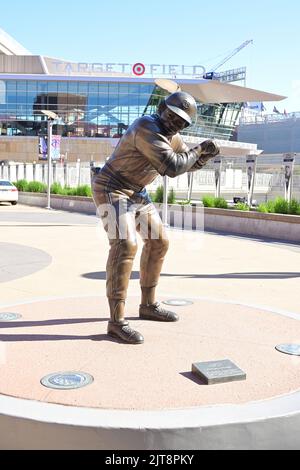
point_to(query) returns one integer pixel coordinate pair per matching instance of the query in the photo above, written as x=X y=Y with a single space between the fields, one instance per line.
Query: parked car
x=8 y=192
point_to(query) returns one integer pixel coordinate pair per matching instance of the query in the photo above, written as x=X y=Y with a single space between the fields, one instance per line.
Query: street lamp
x=51 y=117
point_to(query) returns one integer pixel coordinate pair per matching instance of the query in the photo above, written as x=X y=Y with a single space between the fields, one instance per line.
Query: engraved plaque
x=216 y=372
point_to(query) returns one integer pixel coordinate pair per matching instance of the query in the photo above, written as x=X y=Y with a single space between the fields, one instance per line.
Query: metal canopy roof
x=212 y=91
x=9 y=46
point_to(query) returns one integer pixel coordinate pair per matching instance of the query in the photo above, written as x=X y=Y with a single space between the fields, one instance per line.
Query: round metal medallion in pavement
x=9 y=317
x=178 y=302
x=67 y=380
x=291 y=349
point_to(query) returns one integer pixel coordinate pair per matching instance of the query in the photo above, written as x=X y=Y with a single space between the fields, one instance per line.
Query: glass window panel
x=113 y=88
x=83 y=88
x=103 y=100
x=73 y=87
x=62 y=87
x=124 y=100
x=124 y=88
x=21 y=98
x=113 y=100
x=11 y=85
x=103 y=87
x=133 y=100
x=42 y=87
x=32 y=86
x=134 y=88
x=52 y=87
x=93 y=88
x=31 y=95
x=93 y=100
x=145 y=88
x=21 y=85
x=11 y=97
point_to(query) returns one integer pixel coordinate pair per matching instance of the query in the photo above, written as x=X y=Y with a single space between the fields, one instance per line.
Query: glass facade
x=87 y=109
x=95 y=109
x=215 y=121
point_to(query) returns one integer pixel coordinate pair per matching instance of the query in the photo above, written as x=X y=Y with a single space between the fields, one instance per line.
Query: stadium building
x=97 y=102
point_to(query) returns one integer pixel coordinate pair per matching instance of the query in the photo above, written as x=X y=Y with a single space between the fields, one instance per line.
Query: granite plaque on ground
x=217 y=372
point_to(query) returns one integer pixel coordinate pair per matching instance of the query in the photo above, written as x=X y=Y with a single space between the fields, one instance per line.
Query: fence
x=269 y=182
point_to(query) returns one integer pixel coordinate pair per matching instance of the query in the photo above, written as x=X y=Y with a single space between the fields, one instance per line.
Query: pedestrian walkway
x=243 y=297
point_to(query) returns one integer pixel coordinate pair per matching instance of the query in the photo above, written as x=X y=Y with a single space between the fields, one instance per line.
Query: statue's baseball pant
x=124 y=213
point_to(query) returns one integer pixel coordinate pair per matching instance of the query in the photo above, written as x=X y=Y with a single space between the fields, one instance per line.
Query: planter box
x=275 y=226
x=68 y=203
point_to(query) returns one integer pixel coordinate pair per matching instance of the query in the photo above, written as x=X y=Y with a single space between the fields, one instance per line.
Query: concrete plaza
x=245 y=295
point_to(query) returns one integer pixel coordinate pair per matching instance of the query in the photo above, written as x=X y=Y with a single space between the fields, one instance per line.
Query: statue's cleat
x=156 y=313
x=123 y=332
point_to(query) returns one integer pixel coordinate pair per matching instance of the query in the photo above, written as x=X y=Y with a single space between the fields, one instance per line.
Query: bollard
x=65 y=174
x=78 y=172
x=34 y=171
x=43 y=173
x=54 y=172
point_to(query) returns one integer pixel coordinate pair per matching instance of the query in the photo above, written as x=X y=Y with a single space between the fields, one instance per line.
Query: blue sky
x=168 y=32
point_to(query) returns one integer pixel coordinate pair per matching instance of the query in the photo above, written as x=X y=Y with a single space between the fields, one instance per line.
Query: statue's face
x=172 y=122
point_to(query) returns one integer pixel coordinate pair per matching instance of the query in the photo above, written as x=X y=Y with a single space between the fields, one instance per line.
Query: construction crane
x=233 y=53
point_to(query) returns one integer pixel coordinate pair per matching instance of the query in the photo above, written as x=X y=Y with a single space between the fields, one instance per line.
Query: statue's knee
x=165 y=244
x=160 y=246
x=129 y=247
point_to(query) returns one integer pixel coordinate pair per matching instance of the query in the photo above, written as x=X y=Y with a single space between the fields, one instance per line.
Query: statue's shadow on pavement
x=15 y=338
x=135 y=275
x=101 y=276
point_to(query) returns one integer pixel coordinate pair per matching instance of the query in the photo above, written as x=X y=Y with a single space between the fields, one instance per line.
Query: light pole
x=51 y=117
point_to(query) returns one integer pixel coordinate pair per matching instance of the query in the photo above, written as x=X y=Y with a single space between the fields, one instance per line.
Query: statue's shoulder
x=149 y=123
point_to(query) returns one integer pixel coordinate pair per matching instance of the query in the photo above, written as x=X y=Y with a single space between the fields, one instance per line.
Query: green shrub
x=159 y=195
x=281 y=206
x=21 y=185
x=263 y=208
x=242 y=206
x=267 y=207
x=84 y=191
x=36 y=187
x=294 y=207
x=171 y=196
x=208 y=201
x=220 y=203
x=67 y=191
x=56 y=188
x=270 y=206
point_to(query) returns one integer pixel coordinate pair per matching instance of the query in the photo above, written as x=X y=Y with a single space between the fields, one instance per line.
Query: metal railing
x=269 y=182
x=268 y=118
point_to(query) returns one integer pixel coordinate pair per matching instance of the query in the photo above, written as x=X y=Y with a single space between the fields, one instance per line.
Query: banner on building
x=288 y=163
x=217 y=162
x=55 y=148
x=251 y=162
x=2 y=92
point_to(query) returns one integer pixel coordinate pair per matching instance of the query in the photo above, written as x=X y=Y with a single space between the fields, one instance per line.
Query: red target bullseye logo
x=139 y=69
